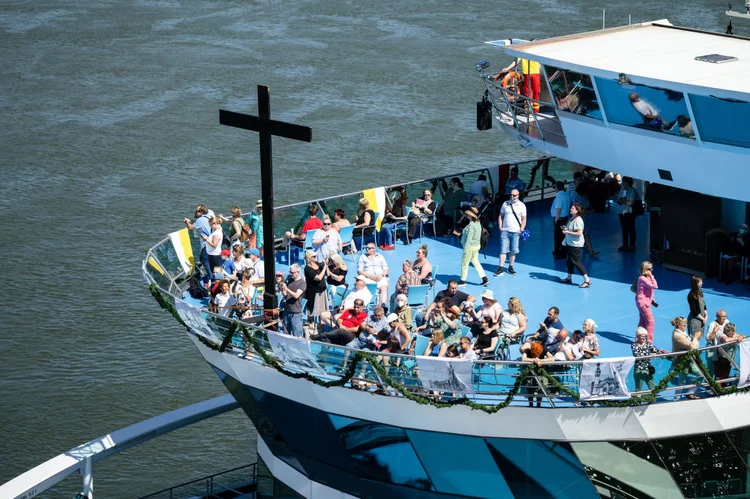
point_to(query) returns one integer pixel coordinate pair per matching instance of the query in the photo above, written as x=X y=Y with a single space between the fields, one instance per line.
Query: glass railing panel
x=161 y=279
x=167 y=257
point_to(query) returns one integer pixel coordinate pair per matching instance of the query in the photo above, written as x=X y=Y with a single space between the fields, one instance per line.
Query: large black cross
x=267 y=127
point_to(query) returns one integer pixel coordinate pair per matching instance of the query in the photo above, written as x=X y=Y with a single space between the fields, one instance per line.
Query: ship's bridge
x=653 y=101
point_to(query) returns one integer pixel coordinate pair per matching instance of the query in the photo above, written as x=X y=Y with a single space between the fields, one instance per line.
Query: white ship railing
x=82 y=458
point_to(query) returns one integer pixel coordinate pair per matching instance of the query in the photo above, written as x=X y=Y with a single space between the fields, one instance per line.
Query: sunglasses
x=370 y=247
x=326 y=223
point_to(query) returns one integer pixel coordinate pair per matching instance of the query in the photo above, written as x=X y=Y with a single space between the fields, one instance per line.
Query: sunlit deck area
x=609 y=301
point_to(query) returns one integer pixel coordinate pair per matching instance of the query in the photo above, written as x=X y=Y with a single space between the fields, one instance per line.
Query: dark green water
x=109 y=136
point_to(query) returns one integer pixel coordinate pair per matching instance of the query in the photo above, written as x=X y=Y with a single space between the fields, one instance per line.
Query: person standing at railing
x=713 y=333
x=722 y=364
x=255 y=222
x=681 y=342
x=643 y=371
x=531 y=85
x=644 y=297
x=698 y=313
x=201 y=224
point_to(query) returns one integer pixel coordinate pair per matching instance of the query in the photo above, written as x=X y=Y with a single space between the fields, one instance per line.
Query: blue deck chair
x=404 y=226
x=417 y=295
x=434 y=279
x=347 y=239
x=369 y=231
x=296 y=249
x=373 y=289
x=336 y=294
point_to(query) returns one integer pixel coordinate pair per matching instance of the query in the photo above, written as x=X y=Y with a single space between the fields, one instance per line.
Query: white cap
x=392 y=318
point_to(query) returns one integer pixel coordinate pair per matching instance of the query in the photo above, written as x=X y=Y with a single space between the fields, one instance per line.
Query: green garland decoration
x=361 y=357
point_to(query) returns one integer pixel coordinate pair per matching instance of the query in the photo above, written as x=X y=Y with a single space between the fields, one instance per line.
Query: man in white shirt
x=476 y=186
x=648 y=112
x=512 y=221
x=559 y=212
x=715 y=332
x=257 y=266
x=373 y=267
x=360 y=292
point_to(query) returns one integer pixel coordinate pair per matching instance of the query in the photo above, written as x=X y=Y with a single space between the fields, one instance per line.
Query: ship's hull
x=341 y=441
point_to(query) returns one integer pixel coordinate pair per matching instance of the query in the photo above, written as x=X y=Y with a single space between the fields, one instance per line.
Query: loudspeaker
x=484 y=114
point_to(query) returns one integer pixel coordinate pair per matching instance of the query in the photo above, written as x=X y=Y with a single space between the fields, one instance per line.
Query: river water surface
x=109 y=136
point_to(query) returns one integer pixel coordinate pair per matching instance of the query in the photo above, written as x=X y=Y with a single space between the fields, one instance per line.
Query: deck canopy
x=650 y=52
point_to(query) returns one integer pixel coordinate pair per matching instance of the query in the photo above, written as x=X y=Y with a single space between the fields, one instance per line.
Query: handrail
x=208 y=479
x=81 y=458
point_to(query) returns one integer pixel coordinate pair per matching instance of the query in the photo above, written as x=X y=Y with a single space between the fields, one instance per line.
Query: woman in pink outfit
x=644 y=296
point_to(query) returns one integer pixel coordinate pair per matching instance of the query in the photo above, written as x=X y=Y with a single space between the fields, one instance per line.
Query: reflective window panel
x=645 y=107
x=726 y=121
x=573 y=92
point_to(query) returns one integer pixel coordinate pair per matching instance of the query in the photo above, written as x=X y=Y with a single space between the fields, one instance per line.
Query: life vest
x=529 y=67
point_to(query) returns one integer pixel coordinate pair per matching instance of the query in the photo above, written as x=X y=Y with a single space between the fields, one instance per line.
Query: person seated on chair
x=312 y=223
x=434 y=321
x=590 y=344
x=337 y=269
x=374 y=332
x=365 y=218
x=559 y=345
x=409 y=278
x=404 y=312
x=421 y=211
x=648 y=112
x=422 y=266
x=373 y=267
x=454 y=296
x=487 y=339
x=396 y=215
x=547 y=329
x=399 y=332
x=512 y=322
x=467 y=349
x=572 y=349
x=490 y=308
x=393 y=346
x=243 y=292
x=360 y=292
x=446 y=212
x=326 y=241
x=349 y=323
x=437 y=346
x=339 y=219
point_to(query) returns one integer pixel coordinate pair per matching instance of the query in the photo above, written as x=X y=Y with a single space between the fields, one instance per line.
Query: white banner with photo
x=193 y=317
x=605 y=379
x=446 y=375
x=294 y=353
x=744 y=364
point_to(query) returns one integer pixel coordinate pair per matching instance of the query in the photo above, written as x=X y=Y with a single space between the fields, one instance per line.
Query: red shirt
x=311 y=224
x=349 y=320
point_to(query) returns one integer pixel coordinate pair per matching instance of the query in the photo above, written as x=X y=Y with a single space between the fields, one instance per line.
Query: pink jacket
x=645 y=293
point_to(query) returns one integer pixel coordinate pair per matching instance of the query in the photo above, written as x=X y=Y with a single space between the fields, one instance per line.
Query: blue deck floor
x=608 y=301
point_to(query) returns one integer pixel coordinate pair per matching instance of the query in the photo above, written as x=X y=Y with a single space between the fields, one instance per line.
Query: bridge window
x=642 y=106
x=573 y=92
x=725 y=121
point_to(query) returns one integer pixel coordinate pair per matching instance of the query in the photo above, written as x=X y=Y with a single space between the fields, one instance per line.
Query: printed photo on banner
x=193 y=317
x=445 y=375
x=294 y=353
x=744 y=364
x=605 y=379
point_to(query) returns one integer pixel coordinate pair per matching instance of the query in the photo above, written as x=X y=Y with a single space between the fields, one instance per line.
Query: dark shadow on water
x=544 y=276
x=616 y=337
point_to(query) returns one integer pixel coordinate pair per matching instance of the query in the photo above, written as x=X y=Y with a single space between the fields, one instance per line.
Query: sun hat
x=455 y=310
x=392 y=318
x=259 y=203
x=472 y=212
x=361 y=278
x=488 y=294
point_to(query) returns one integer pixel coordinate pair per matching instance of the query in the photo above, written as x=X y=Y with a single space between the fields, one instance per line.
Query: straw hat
x=472 y=212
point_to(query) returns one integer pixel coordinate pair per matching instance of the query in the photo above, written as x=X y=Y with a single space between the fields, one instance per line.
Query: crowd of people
x=375 y=313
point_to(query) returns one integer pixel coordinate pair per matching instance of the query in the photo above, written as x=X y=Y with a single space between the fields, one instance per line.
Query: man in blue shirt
x=201 y=224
